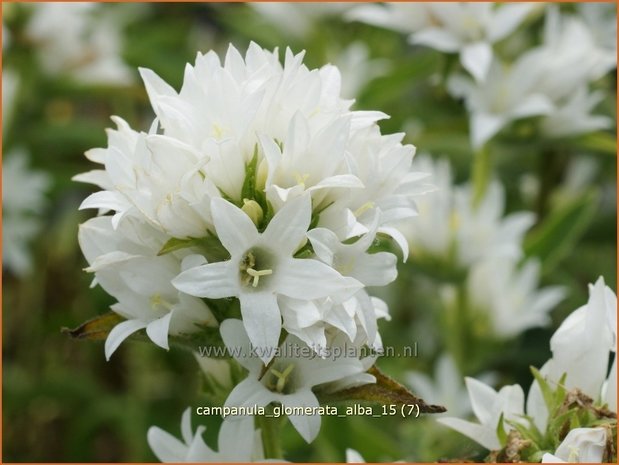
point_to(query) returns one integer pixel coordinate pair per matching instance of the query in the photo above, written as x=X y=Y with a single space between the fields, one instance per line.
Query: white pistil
x=256 y=274
x=282 y=377
x=363 y=208
x=156 y=300
x=301 y=179
x=574 y=454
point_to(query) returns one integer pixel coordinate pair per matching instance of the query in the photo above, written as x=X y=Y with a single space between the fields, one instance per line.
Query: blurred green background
x=63 y=402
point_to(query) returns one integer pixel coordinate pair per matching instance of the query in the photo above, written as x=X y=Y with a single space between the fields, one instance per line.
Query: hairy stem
x=482 y=167
x=270 y=429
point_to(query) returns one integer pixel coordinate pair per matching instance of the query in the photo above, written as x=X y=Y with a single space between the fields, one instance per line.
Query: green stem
x=270 y=428
x=482 y=167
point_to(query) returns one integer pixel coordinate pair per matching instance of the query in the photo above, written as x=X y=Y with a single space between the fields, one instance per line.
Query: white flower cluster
x=487 y=245
x=79 y=40
x=257 y=182
x=23 y=200
x=551 y=80
x=582 y=349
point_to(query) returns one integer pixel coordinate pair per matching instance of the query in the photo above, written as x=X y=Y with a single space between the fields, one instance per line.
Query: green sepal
x=209 y=246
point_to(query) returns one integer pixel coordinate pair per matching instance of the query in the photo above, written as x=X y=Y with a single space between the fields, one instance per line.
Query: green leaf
x=602 y=142
x=206 y=342
x=547 y=392
x=557 y=236
x=385 y=391
x=210 y=246
x=174 y=244
x=500 y=431
x=99 y=327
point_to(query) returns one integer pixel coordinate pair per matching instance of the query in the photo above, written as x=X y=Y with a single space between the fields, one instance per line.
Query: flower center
x=157 y=301
x=573 y=454
x=363 y=208
x=250 y=268
x=281 y=380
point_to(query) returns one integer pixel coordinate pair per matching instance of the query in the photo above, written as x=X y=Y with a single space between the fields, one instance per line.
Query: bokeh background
x=63 y=402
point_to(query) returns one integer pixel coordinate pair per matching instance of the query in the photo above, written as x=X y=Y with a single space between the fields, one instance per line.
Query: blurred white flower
x=288 y=380
x=432 y=231
x=582 y=345
x=23 y=201
x=126 y=265
x=601 y=20
x=488 y=406
x=78 y=40
x=586 y=38
x=445 y=388
x=297 y=19
x=581 y=348
x=550 y=80
x=508 y=295
x=352 y=456
x=508 y=94
x=450 y=228
x=237 y=442
x=218 y=369
x=469 y=29
x=357 y=67
x=581 y=445
x=10 y=86
x=262 y=267
x=574 y=116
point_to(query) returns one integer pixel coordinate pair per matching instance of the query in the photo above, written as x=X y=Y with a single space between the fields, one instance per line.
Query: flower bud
x=253 y=210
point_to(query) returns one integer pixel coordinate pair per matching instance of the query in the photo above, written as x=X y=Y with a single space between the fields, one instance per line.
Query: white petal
x=399 y=239
x=476 y=59
x=155 y=86
x=310 y=279
x=610 y=393
x=119 y=333
x=482 y=399
x=289 y=225
x=307 y=425
x=234 y=228
x=484 y=127
x=214 y=280
x=186 y=431
x=325 y=242
x=533 y=105
x=378 y=269
x=588 y=443
x=352 y=456
x=341 y=180
x=158 y=330
x=262 y=321
x=105 y=199
x=440 y=39
x=234 y=439
x=248 y=393
x=484 y=436
x=549 y=458
x=165 y=446
x=236 y=340
x=507 y=17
